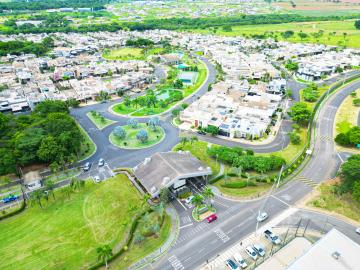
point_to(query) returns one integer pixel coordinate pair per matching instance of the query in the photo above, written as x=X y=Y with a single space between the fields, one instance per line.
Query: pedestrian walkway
x=170 y=210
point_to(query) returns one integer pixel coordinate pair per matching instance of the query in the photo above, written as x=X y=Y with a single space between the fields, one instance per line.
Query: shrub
x=120 y=132
x=294 y=138
x=356 y=102
x=132 y=123
x=238 y=184
x=142 y=136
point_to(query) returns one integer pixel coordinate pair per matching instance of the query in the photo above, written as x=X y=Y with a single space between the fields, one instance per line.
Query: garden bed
x=131 y=142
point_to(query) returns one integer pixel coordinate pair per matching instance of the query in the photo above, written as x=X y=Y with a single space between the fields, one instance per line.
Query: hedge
x=215 y=179
x=14 y=213
x=238 y=184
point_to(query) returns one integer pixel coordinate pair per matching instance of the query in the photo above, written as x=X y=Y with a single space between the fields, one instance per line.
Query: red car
x=211 y=218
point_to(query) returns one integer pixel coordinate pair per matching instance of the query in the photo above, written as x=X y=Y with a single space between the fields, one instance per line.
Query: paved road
x=203 y=241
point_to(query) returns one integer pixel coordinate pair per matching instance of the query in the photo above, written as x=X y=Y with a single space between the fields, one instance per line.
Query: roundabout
x=136 y=137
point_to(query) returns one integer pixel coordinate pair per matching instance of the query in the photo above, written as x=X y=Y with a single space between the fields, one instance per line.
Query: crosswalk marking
x=325 y=138
x=175 y=263
x=306 y=181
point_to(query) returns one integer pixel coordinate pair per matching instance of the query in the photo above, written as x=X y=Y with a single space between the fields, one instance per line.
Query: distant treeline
x=60 y=24
x=50 y=4
x=18 y=47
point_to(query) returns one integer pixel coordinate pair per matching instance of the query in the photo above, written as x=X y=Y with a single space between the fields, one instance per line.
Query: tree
x=287 y=34
x=311 y=93
x=132 y=123
x=193 y=139
x=50 y=186
x=103 y=96
x=357 y=24
x=154 y=122
x=300 y=112
x=350 y=172
x=49 y=149
x=184 y=140
x=294 y=138
x=51 y=106
x=104 y=254
x=208 y=193
x=164 y=195
x=119 y=132
x=227 y=28
x=356 y=191
x=212 y=130
x=142 y=136
x=292 y=66
x=178 y=84
x=354 y=135
x=127 y=101
x=37 y=195
x=302 y=35
x=342 y=139
x=197 y=200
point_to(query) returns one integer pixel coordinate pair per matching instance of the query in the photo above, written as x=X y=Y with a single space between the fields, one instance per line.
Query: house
x=171 y=59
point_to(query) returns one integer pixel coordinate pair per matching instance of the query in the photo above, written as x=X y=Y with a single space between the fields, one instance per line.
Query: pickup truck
x=273 y=238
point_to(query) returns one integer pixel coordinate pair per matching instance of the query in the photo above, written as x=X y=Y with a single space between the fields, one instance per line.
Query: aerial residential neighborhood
x=179 y=134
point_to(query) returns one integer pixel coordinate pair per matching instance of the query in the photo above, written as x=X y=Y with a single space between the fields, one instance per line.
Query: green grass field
x=332 y=35
x=65 y=234
x=132 y=142
x=246 y=192
x=99 y=121
x=340 y=204
x=124 y=54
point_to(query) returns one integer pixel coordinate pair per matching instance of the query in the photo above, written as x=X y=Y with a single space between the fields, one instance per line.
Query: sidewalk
x=170 y=210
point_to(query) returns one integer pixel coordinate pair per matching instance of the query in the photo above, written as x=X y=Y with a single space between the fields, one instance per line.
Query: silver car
x=260 y=249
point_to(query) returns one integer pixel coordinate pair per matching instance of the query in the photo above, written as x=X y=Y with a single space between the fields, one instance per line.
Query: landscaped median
x=99 y=121
x=136 y=136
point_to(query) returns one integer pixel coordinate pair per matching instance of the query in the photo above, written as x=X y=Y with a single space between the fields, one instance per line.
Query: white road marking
x=280 y=200
x=223 y=237
x=175 y=263
x=187 y=225
x=342 y=161
x=225 y=205
x=181 y=203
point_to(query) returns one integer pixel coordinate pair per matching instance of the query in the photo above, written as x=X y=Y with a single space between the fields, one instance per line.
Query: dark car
x=10 y=198
x=231 y=264
x=201 y=132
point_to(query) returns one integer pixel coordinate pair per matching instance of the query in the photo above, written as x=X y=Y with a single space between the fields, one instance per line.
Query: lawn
x=99 y=121
x=340 y=204
x=124 y=54
x=138 y=251
x=131 y=142
x=88 y=147
x=245 y=192
x=68 y=174
x=347 y=115
x=199 y=150
x=291 y=151
x=332 y=35
x=65 y=234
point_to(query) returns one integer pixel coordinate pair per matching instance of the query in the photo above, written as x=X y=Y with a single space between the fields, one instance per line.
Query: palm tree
x=248 y=178
x=54 y=167
x=50 y=185
x=197 y=200
x=104 y=254
x=37 y=195
x=67 y=191
x=146 y=197
x=208 y=193
x=193 y=139
x=76 y=183
x=184 y=140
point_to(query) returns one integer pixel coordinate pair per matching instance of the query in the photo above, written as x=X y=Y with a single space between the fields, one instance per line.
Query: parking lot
x=97 y=172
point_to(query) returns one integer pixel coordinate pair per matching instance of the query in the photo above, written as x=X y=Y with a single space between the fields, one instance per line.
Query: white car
x=260 y=249
x=189 y=199
x=262 y=216
x=97 y=179
x=251 y=252
x=357 y=230
x=240 y=260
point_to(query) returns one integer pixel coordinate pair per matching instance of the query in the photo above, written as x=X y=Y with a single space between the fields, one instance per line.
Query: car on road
x=201 y=132
x=231 y=264
x=189 y=199
x=240 y=260
x=101 y=162
x=211 y=218
x=10 y=198
x=260 y=249
x=262 y=216
x=87 y=166
x=97 y=179
x=251 y=252
x=357 y=230
x=273 y=238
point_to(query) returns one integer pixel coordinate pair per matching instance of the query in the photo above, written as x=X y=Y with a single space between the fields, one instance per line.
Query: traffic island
x=136 y=137
x=199 y=213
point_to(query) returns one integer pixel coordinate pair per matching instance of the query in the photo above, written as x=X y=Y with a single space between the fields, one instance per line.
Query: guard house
x=171 y=170
x=32 y=180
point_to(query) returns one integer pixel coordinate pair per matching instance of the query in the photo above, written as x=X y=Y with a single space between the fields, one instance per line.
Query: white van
x=240 y=260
